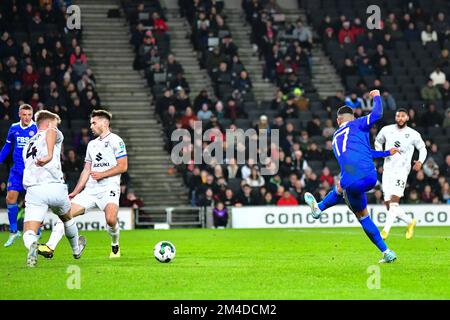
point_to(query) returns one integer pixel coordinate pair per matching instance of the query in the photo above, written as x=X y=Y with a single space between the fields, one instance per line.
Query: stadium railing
x=161 y=217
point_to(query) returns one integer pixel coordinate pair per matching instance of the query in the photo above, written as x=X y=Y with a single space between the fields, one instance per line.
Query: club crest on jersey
x=106 y=144
x=31 y=133
x=407 y=135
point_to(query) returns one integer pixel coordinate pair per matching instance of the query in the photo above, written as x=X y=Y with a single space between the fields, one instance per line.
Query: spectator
x=446 y=123
x=326 y=176
x=349 y=69
x=204 y=113
x=220 y=215
x=365 y=68
x=78 y=54
x=445 y=92
x=411 y=33
x=287 y=200
x=243 y=83
x=413 y=197
x=427 y=195
x=442 y=28
x=431 y=118
x=159 y=25
x=255 y=180
x=329 y=130
x=206 y=199
x=444 y=59
x=353 y=101
x=246 y=198
x=233 y=169
x=395 y=32
x=303 y=34
x=30 y=76
x=289 y=110
x=428 y=35
x=228 y=198
x=188 y=117
x=413 y=119
x=202 y=97
x=346 y=35
x=430 y=93
x=438 y=77
x=129 y=199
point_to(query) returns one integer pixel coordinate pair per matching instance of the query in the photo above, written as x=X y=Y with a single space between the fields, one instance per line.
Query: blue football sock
x=373 y=233
x=331 y=199
x=13 y=210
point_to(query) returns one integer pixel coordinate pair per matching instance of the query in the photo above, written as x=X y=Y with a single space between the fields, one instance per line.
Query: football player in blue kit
x=351 y=146
x=18 y=135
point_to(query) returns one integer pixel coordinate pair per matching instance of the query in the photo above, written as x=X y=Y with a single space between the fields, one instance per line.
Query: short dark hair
x=101 y=114
x=344 y=110
x=402 y=110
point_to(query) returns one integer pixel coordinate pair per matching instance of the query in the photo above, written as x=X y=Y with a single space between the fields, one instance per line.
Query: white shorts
x=393 y=184
x=90 y=198
x=39 y=199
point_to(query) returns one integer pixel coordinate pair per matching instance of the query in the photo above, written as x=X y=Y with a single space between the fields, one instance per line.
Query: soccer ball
x=164 y=251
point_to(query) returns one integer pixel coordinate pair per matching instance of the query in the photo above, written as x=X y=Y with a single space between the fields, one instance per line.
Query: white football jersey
x=35 y=149
x=103 y=155
x=405 y=140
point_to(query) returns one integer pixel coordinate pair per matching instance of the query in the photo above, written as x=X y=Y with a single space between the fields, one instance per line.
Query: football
x=164 y=251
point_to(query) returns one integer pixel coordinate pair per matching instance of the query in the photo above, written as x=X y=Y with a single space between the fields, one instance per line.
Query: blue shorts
x=15 y=179
x=355 y=194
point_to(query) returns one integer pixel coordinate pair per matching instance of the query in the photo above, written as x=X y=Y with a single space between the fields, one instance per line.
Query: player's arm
x=6 y=150
x=84 y=177
x=421 y=147
x=383 y=154
x=50 y=139
x=376 y=114
x=121 y=167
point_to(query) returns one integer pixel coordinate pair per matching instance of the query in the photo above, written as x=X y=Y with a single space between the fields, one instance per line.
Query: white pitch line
x=355 y=233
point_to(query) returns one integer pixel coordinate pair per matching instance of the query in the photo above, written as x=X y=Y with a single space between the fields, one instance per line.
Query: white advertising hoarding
x=337 y=216
x=91 y=220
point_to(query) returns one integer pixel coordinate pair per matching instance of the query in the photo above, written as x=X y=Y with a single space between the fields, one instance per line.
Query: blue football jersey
x=18 y=137
x=351 y=146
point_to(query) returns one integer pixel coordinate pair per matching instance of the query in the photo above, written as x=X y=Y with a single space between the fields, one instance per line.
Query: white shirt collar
x=29 y=125
x=344 y=124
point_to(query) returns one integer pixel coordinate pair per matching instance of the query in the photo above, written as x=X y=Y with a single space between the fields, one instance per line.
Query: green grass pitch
x=237 y=264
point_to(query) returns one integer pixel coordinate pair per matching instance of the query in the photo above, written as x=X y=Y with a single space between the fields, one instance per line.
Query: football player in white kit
x=99 y=182
x=396 y=168
x=44 y=183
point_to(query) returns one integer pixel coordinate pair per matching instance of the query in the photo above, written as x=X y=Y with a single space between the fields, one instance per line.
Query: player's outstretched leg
x=112 y=225
x=312 y=203
x=355 y=196
x=332 y=198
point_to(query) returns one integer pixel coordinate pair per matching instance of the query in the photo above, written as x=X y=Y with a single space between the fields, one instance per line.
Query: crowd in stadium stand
x=306 y=159
x=43 y=64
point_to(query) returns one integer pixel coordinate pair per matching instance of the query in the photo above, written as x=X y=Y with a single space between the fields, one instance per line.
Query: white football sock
x=29 y=237
x=403 y=216
x=71 y=230
x=56 y=235
x=391 y=216
x=114 y=233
